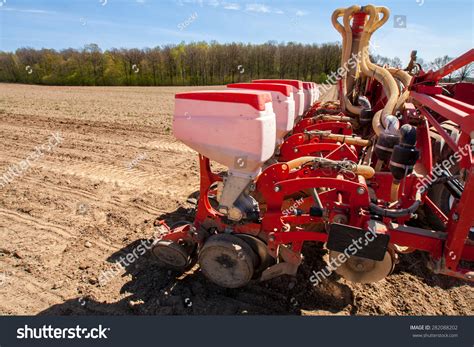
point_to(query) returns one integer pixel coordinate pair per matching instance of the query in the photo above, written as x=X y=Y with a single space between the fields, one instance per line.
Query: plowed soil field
x=80 y=204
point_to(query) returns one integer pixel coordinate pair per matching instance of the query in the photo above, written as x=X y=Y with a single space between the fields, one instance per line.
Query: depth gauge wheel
x=172 y=255
x=227 y=261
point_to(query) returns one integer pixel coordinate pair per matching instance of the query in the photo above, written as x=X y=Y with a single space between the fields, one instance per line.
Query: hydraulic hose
x=396 y=213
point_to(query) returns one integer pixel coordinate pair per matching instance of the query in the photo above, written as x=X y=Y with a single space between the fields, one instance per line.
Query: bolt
x=295 y=150
x=276 y=189
x=455 y=217
x=360 y=190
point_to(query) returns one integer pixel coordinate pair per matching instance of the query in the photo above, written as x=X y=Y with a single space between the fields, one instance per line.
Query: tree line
x=198 y=63
x=463 y=74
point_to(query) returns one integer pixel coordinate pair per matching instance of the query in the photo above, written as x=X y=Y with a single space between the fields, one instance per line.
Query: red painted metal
x=336 y=127
x=464 y=119
x=358 y=23
x=348 y=196
x=449 y=141
x=461 y=218
x=462 y=91
x=460 y=222
x=437 y=211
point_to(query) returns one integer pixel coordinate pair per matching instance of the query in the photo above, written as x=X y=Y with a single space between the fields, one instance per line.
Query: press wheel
x=172 y=255
x=227 y=261
x=362 y=270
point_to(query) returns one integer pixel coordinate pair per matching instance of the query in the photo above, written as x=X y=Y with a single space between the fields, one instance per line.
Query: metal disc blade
x=362 y=270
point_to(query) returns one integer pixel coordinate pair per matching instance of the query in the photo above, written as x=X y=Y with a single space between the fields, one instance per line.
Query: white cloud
x=257 y=8
x=231 y=6
x=234 y=6
x=193 y=2
x=34 y=11
x=301 y=13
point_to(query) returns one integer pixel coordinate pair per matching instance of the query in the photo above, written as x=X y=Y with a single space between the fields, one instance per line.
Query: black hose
x=396 y=213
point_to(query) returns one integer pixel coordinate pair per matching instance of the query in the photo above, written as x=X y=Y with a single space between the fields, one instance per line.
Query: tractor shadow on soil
x=156 y=291
x=153 y=290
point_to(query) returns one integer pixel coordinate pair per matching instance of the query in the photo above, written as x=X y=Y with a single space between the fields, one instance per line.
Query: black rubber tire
x=172 y=255
x=260 y=248
x=227 y=261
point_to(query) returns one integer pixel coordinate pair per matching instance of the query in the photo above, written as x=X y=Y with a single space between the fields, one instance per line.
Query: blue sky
x=433 y=27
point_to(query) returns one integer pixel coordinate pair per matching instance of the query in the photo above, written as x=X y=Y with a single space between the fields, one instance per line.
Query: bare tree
x=465 y=72
x=441 y=62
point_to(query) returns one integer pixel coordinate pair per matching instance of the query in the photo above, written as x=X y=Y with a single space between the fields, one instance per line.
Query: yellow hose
x=346 y=34
x=363 y=170
x=401 y=75
x=383 y=76
x=367 y=68
x=405 y=78
x=352 y=47
x=335 y=15
x=394 y=191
